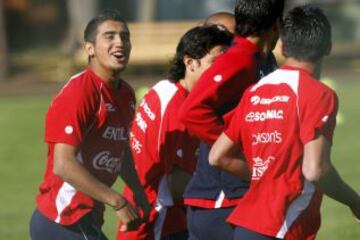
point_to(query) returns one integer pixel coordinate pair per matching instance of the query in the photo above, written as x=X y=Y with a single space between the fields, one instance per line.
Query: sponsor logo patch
x=255 y=100
x=115 y=133
x=260 y=166
x=263 y=116
x=266 y=137
x=147 y=110
x=141 y=122
x=136 y=145
x=104 y=161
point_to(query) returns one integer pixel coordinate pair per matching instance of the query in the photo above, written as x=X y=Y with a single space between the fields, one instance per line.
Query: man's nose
x=118 y=40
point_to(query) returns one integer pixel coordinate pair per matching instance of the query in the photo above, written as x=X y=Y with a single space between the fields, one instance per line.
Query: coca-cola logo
x=104 y=161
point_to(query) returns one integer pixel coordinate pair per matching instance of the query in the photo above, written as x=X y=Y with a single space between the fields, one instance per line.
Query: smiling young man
x=87 y=136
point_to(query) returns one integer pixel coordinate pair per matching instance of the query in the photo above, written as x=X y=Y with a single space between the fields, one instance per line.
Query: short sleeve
x=318 y=116
x=71 y=113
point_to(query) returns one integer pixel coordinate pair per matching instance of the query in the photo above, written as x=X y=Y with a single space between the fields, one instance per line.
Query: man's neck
x=314 y=68
x=261 y=43
x=112 y=78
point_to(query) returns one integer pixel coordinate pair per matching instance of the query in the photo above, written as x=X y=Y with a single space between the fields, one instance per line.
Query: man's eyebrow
x=109 y=33
x=116 y=32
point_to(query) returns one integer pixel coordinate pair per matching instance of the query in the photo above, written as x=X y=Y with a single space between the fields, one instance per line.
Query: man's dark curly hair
x=196 y=43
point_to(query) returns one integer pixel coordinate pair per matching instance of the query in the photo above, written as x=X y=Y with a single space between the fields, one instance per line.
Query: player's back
x=279 y=115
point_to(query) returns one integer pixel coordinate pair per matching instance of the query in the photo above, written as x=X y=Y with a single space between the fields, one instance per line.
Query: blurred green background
x=40 y=48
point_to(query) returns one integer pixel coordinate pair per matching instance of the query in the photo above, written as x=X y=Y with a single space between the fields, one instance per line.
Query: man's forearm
x=67 y=167
x=237 y=167
x=226 y=155
x=333 y=186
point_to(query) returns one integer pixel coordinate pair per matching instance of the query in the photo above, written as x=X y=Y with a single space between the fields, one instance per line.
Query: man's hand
x=128 y=217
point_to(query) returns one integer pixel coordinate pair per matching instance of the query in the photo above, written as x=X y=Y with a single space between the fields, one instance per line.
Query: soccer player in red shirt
x=284 y=125
x=164 y=153
x=87 y=136
x=212 y=194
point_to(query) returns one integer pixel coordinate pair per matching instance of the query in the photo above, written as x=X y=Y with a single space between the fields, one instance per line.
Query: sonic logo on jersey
x=147 y=110
x=115 y=133
x=266 y=137
x=255 y=100
x=104 y=161
x=260 y=166
x=262 y=116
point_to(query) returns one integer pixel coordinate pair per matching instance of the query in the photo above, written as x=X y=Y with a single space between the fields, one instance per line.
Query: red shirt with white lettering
x=219 y=90
x=210 y=103
x=274 y=120
x=159 y=141
x=90 y=115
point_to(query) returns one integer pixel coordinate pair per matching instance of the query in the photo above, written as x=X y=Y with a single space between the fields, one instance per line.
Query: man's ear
x=189 y=63
x=89 y=48
x=280 y=46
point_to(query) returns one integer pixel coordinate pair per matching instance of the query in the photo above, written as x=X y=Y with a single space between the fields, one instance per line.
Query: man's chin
x=118 y=68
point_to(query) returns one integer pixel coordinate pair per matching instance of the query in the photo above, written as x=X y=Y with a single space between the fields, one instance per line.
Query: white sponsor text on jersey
x=141 y=122
x=147 y=110
x=260 y=166
x=255 y=100
x=263 y=116
x=115 y=133
x=104 y=161
x=266 y=137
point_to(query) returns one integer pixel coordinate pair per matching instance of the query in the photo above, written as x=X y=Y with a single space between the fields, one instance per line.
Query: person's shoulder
x=81 y=86
x=85 y=79
x=315 y=86
x=165 y=87
x=165 y=90
x=313 y=91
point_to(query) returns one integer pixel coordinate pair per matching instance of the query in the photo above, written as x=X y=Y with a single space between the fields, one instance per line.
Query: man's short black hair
x=254 y=17
x=92 y=26
x=306 y=34
x=196 y=43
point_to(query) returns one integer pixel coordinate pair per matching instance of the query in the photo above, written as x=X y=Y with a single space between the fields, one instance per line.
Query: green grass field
x=22 y=159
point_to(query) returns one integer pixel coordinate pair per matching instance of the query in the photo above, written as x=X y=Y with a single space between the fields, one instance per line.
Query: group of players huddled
x=229 y=146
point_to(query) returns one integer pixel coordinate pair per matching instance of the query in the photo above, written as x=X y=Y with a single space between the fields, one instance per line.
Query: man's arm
x=130 y=177
x=318 y=169
x=69 y=169
x=226 y=155
x=217 y=91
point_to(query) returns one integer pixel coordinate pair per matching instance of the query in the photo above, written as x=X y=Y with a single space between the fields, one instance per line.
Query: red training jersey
x=274 y=120
x=90 y=115
x=208 y=108
x=159 y=141
x=219 y=90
